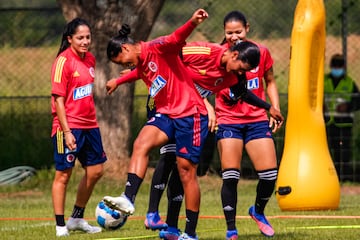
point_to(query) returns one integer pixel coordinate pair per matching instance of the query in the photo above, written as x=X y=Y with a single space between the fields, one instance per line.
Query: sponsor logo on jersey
x=253 y=83
x=92 y=72
x=202 y=72
x=152 y=66
x=202 y=91
x=76 y=74
x=158 y=84
x=83 y=91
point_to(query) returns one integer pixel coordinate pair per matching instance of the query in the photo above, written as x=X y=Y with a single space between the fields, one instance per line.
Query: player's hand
x=70 y=141
x=212 y=119
x=276 y=118
x=199 y=16
x=111 y=86
x=274 y=124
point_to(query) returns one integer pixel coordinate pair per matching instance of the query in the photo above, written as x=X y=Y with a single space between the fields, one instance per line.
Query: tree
x=114 y=112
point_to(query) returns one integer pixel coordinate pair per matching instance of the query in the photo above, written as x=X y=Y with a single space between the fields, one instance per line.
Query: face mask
x=337 y=72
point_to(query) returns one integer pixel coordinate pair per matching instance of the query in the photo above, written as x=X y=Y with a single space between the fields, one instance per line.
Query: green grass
x=26 y=212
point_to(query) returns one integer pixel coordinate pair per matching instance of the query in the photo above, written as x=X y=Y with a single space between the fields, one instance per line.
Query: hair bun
x=125 y=30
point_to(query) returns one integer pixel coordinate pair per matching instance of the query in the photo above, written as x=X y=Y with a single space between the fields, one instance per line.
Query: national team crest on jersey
x=158 y=83
x=83 y=91
x=152 y=66
x=218 y=81
x=70 y=158
x=92 y=72
x=253 y=83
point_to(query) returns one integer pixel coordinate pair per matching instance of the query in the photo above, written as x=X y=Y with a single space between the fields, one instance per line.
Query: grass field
x=26 y=212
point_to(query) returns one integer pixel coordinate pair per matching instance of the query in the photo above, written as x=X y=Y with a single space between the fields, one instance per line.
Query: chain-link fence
x=30 y=37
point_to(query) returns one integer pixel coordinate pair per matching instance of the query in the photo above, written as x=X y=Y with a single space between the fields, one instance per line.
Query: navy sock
x=229 y=196
x=191 y=222
x=265 y=188
x=132 y=186
x=60 y=220
x=78 y=212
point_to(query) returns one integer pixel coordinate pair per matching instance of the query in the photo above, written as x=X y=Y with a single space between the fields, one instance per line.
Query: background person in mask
x=341 y=100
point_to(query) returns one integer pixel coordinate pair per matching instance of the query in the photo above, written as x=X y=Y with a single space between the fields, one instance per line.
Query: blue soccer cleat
x=263 y=224
x=154 y=222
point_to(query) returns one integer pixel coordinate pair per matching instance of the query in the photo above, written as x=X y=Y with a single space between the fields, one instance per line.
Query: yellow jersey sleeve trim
x=59 y=69
x=196 y=50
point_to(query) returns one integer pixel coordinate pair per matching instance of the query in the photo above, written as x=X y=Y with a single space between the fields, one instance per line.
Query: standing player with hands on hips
x=181 y=113
x=75 y=132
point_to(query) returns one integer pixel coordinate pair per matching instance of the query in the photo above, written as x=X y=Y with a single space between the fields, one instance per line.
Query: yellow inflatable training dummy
x=307 y=177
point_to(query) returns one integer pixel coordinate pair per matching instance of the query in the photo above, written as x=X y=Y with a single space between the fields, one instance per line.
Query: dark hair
x=337 y=60
x=236 y=16
x=69 y=31
x=115 y=43
x=248 y=53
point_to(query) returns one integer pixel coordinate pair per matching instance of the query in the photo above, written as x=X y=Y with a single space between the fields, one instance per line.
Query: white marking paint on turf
x=24 y=226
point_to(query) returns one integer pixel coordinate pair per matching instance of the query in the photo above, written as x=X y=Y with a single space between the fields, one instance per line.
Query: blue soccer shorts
x=89 y=149
x=189 y=133
x=246 y=132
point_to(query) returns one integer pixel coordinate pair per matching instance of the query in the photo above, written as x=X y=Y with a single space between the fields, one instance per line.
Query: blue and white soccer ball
x=108 y=218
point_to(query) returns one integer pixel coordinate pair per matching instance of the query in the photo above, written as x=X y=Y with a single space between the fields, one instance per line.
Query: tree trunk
x=114 y=111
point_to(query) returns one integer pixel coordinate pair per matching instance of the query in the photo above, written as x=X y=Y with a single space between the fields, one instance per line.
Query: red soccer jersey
x=166 y=77
x=203 y=61
x=243 y=112
x=73 y=78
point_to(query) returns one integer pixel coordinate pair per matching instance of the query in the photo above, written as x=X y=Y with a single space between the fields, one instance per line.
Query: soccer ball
x=108 y=218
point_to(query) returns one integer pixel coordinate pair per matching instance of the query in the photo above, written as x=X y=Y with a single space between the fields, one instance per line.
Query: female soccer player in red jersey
x=212 y=68
x=178 y=103
x=75 y=131
x=242 y=125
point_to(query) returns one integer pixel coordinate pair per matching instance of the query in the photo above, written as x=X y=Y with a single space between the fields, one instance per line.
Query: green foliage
x=30 y=28
x=25 y=133
x=32 y=215
x=27 y=3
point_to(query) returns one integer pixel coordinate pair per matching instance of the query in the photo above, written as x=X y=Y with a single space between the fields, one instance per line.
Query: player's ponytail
x=115 y=43
x=124 y=31
x=69 y=31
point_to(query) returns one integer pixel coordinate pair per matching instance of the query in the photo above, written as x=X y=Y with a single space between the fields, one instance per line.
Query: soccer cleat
x=62 y=231
x=121 y=203
x=263 y=224
x=154 y=222
x=184 y=236
x=170 y=233
x=231 y=235
x=82 y=225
